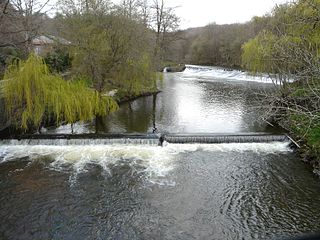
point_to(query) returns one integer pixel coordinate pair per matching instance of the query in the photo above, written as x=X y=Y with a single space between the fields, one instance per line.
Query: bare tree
x=130 y=8
x=3 y=7
x=144 y=12
x=20 y=22
x=164 y=21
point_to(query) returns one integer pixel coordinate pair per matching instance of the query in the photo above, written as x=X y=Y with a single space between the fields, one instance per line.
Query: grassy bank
x=308 y=138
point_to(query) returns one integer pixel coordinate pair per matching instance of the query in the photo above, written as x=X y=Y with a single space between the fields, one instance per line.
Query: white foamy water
x=155 y=162
x=263 y=148
x=72 y=142
x=217 y=73
x=157 y=159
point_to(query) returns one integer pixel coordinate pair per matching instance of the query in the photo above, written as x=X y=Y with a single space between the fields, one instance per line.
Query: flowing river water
x=143 y=191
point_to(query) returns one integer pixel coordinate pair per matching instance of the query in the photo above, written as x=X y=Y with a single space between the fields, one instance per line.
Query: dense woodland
x=215 y=45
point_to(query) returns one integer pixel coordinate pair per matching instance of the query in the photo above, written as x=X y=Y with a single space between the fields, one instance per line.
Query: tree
x=144 y=12
x=33 y=96
x=164 y=22
x=289 y=49
x=105 y=43
x=20 y=23
x=290 y=44
x=130 y=8
x=219 y=44
x=21 y=17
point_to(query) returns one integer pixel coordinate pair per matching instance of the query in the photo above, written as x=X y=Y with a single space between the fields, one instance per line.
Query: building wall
x=42 y=50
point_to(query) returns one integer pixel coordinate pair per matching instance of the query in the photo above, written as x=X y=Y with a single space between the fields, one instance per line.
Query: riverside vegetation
x=120 y=46
x=33 y=96
x=288 y=47
x=109 y=48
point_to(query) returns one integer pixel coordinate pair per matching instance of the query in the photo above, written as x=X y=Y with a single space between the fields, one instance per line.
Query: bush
x=58 y=61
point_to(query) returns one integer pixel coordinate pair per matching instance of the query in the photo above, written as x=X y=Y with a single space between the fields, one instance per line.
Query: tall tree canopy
x=105 y=43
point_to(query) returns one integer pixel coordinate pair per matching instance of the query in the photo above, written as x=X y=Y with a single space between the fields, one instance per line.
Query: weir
x=81 y=139
x=223 y=138
x=139 y=139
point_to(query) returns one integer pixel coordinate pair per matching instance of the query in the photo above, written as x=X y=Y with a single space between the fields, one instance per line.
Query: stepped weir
x=139 y=139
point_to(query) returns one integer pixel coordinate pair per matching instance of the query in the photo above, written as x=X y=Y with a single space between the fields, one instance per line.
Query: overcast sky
x=197 y=13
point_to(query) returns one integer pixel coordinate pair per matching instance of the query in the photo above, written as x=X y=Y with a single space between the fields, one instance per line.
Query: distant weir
x=140 y=139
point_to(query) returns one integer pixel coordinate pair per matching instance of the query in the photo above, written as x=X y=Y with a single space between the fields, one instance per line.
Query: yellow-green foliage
x=292 y=34
x=32 y=93
x=306 y=129
x=290 y=46
x=257 y=53
x=137 y=76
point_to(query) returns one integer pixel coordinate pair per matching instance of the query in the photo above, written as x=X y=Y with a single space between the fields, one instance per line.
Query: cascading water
x=257 y=138
x=150 y=153
x=144 y=154
x=217 y=73
x=65 y=140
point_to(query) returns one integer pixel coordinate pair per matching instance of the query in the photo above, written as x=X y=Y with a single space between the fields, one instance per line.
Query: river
x=189 y=191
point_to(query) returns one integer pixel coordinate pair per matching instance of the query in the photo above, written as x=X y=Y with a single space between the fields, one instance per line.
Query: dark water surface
x=219 y=191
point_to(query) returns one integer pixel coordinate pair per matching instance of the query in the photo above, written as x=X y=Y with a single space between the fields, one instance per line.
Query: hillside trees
x=289 y=46
x=213 y=44
x=290 y=43
x=220 y=45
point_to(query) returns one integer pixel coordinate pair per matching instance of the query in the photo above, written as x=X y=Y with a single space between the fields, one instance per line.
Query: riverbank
x=308 y=141
x=7 y=129
x=128 y=98
x=298 y=112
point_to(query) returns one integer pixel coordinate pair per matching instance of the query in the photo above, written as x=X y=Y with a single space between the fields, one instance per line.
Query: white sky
x=197 y=13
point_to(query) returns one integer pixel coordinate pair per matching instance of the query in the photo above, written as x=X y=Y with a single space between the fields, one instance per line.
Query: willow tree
x=32 y=95
x=136 y=76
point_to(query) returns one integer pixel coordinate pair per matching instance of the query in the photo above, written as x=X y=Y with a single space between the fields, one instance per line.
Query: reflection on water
x=189 y=104
x=193 y=106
